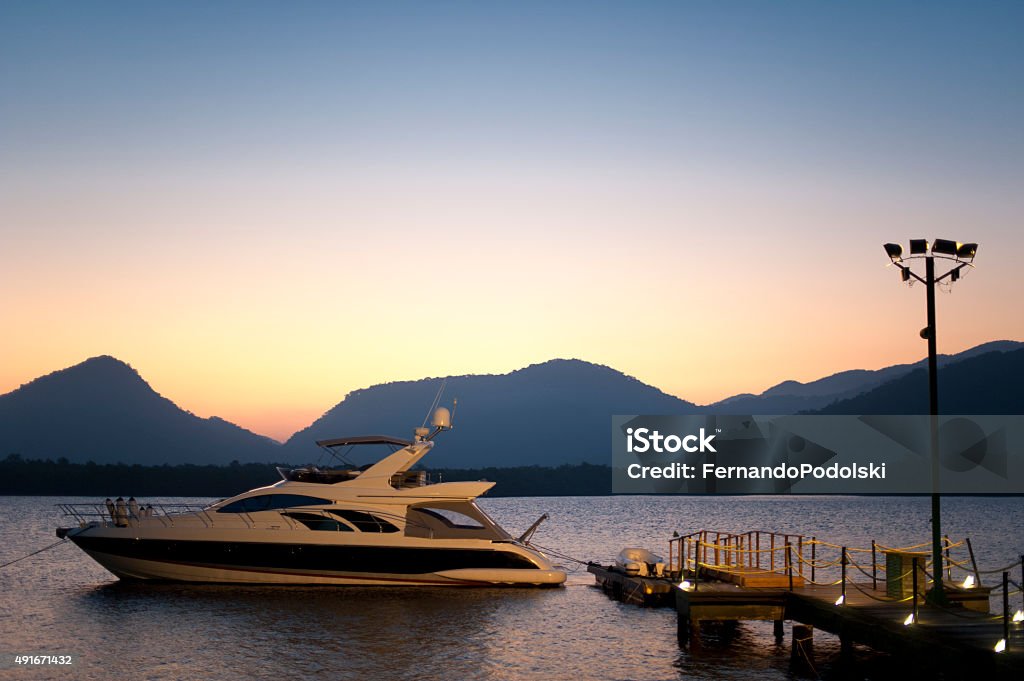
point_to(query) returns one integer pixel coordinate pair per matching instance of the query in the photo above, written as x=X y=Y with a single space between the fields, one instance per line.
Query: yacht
x=381 y=524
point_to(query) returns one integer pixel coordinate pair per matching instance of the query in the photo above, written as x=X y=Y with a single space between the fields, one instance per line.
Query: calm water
x=62 y=602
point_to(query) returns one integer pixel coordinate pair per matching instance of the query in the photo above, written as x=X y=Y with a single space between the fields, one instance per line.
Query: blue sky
x=188 y=184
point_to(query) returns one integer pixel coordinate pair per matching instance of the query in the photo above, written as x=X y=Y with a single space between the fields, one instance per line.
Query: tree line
x=46 y=477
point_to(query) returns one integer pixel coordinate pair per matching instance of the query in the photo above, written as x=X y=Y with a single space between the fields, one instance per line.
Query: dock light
x=966 y=251
x=1001 y=646
x=840 y=600
x=963 y=256
x=686 y=585
x=968 y=582
x=910 y=620
x=1018 y=616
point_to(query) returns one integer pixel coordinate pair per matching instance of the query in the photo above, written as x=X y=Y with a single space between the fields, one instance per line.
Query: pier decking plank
x=752 y=577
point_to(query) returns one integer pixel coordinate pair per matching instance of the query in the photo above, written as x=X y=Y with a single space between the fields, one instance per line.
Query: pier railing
x=818 y=562
x=737 y=552
x=899 y=576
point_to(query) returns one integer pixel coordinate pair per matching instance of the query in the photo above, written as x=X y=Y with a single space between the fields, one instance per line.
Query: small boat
x=382 y=524
x=640 y=563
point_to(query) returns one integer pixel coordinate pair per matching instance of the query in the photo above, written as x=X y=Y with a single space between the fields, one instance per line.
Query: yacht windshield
x=452 y=520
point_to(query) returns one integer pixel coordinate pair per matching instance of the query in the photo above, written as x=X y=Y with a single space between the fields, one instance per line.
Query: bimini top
x=365 y=440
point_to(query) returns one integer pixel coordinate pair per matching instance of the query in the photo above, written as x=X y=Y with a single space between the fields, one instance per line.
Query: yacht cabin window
x=365 y=522
x=321 y=523
x=269 y=502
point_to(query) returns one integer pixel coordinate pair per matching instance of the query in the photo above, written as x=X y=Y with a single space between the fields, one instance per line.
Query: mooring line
x=45 y=548
x=558 y=554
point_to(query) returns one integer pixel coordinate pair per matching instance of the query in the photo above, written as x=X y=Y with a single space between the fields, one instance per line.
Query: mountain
x=101 y=410
x=983 y=384
x=546 y=414
x=790 y=397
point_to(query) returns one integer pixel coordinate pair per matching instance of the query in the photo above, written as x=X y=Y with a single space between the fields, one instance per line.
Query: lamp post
x=962 y=255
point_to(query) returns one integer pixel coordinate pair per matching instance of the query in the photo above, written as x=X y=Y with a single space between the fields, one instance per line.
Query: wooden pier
x=877 y=601
x=948 y=638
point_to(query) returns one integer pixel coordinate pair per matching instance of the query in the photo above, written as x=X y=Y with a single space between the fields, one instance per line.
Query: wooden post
x=974 y=563
x=772 y=553
x=789 y=564
x=913 y=564
x=687 y=630
x=758 y=543
x=800 y=553
x=814 y=546
x=1006 y=609
x=874 y=567
x=779 y=632
x=802 y=650
x=696 y=564
x=949 y=564
x=842 y=561
x=845 y=646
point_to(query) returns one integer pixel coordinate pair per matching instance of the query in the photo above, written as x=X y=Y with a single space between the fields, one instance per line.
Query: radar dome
x=442 y=418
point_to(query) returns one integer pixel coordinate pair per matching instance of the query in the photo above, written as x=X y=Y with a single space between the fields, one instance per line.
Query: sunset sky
x=263 y=206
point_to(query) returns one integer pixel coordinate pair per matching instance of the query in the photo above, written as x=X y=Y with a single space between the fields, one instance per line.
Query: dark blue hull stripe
x=259 y=556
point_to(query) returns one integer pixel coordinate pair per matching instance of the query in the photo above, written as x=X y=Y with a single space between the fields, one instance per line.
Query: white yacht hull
x=169 y=555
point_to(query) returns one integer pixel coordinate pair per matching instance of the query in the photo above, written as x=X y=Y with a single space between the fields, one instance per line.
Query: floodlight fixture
x=918 y=246
x=966 y=251
x=963 y=254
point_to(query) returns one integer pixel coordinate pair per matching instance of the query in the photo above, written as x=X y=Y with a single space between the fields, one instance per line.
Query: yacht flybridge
x=383 y=524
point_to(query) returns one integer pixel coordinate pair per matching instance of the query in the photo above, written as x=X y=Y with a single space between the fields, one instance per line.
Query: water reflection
x=63 y=602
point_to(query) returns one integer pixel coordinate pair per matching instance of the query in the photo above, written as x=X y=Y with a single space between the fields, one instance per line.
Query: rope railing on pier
x=880 y=598
x=1002 y=569
x=749 y=552
x=906 y=573
x=817 y=563
x=794 y=555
